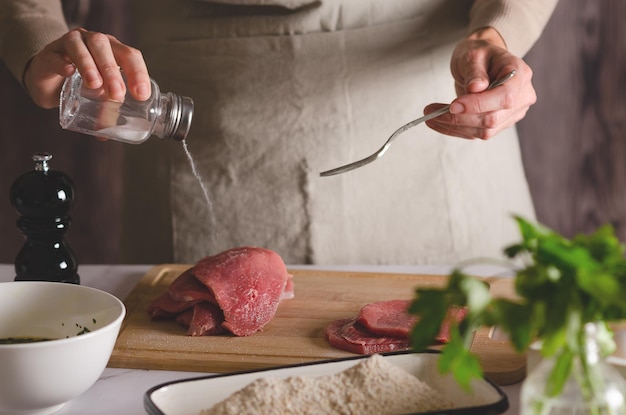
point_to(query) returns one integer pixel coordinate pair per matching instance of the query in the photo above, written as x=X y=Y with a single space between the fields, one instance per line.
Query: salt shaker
x=89 y=111
x=43 y=198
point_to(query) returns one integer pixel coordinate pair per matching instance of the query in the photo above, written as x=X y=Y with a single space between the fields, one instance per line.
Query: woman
x=285 y=89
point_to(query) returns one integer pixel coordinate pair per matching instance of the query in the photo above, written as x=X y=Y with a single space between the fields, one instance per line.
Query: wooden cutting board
x=295 y=334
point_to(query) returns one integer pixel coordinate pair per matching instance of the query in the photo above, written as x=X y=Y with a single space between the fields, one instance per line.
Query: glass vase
x=592 y=387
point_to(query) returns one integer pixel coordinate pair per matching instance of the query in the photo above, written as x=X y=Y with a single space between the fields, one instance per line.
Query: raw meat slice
x=186 y=287
x=387 y=318
x=165 y=306
x=247 y=283
x=204 y=319
x=455 y=314
x=390 y=318
x=182 y=294
x=383 y=326
x=184 y=318
x=346 y=334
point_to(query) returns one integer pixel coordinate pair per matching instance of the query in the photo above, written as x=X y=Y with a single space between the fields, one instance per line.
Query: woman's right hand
x=97 y=56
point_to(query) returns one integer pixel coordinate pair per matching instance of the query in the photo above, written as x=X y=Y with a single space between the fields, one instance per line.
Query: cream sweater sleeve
x=519 y=22
x=26 y=26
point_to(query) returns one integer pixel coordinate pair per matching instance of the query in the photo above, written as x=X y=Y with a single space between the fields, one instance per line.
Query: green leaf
x=553 y=342
x=456 y=358
x=562 y=284
x=476 y=294
x=431 y=308
x=529 y=231
x=517 y=320
x=554 y=252
x=536 y=282
x=603 y=245
x=601 y=286
x=432 y=305
x=560 y=373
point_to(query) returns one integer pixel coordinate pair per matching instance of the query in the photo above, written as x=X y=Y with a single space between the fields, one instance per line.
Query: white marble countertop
x=121 y=391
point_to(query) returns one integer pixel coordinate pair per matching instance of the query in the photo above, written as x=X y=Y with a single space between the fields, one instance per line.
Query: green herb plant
x=561 y=284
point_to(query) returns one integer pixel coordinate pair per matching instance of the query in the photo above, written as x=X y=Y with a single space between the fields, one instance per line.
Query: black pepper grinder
x=43 y=198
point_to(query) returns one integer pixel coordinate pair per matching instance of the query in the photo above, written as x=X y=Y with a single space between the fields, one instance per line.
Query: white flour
x=374 y=386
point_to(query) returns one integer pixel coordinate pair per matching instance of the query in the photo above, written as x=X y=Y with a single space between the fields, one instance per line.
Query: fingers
x=482 y=126
x=44 y=75
x=480 y=111
x=515 y=93
x=474 y=80
x=481 y=55
x=82 y=49
x=99 y=58
x=132 y=62
x=99 y=66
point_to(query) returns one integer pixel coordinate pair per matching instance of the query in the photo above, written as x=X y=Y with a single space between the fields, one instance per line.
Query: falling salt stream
x=205 y=191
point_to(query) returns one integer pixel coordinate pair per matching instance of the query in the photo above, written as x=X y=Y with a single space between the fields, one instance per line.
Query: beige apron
x=285 y=89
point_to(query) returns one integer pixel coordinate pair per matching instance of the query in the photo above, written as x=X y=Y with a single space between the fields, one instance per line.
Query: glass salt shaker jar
x=88 y=111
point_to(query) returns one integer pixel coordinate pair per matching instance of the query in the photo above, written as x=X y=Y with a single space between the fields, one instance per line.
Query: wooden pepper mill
x=43 y=198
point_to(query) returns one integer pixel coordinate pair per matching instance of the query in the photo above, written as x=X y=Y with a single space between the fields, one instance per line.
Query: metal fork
x=387 y=145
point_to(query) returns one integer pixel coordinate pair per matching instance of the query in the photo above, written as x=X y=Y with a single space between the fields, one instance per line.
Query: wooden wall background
x=573 y=139
x=95 y=167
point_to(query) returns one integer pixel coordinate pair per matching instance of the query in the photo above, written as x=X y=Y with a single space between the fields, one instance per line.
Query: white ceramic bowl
x=39 y=378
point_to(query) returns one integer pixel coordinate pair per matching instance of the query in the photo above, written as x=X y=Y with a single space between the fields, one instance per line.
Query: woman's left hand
x=477 y=113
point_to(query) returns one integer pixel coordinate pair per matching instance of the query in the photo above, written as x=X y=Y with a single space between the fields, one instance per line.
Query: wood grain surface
x=295 y=334
x=573 y=139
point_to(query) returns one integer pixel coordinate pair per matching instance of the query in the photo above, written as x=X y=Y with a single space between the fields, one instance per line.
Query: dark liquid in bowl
x=15 y=340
